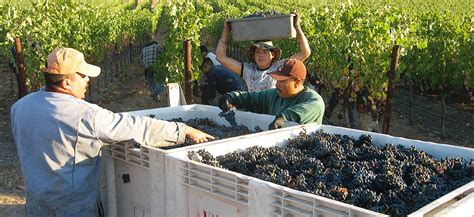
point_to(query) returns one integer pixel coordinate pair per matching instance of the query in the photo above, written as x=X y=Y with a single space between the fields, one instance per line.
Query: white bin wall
x=110 y=203
x=158 y=183
x=133 y=198
x=186 y=201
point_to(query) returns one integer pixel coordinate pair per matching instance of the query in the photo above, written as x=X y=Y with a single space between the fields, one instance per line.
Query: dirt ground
x=125 y=94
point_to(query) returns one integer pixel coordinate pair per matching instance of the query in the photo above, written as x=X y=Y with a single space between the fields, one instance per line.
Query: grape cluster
x=204 y=157
x=210 y=127
x=391 y=179
x=229 y=117
x=264 y=14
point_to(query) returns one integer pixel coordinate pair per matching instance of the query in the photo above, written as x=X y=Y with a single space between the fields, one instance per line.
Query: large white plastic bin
x=136 y=176
x=194 y=188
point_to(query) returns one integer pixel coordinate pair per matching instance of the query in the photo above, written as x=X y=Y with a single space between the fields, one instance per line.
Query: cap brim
x=89 y=70
x=277 y=76
x=264 y=46
x=51 y=71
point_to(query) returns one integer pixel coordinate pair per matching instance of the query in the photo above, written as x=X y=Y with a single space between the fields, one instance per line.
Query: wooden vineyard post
x=130 y=52
x=188 y=76
x=410 y=103
x=391 y=88
x=116 y=60
x=20 y=63
x=443 y=115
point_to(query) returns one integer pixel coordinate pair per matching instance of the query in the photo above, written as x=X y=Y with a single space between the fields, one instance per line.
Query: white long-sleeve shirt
x=58 y=138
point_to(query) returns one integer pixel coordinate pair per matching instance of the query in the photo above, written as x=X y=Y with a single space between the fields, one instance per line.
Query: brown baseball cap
x=292 y=68
x=64 y=61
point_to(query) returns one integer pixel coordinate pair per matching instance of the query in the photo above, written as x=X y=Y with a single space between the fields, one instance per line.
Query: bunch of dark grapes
x=268 y=13
x=391 y=179
x=204 y=157
x=210 y=127
x=229 y=116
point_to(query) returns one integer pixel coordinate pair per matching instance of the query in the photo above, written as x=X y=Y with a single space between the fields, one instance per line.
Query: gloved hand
x=225 y=103
x=277 y=123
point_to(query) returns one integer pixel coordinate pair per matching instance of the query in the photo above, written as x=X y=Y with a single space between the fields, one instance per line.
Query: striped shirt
x=149 y=54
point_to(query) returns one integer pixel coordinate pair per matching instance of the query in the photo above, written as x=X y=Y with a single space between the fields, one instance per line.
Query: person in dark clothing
x=219 y=80
x=289 y=101
x=148 y=57
x=205 y=53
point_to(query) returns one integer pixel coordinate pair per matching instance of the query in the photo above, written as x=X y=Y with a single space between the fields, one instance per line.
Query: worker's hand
x=277 y=123
x=297 y=21
x=225 y=103
x=227 y=26
x=225 y=32
x=198 y=136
